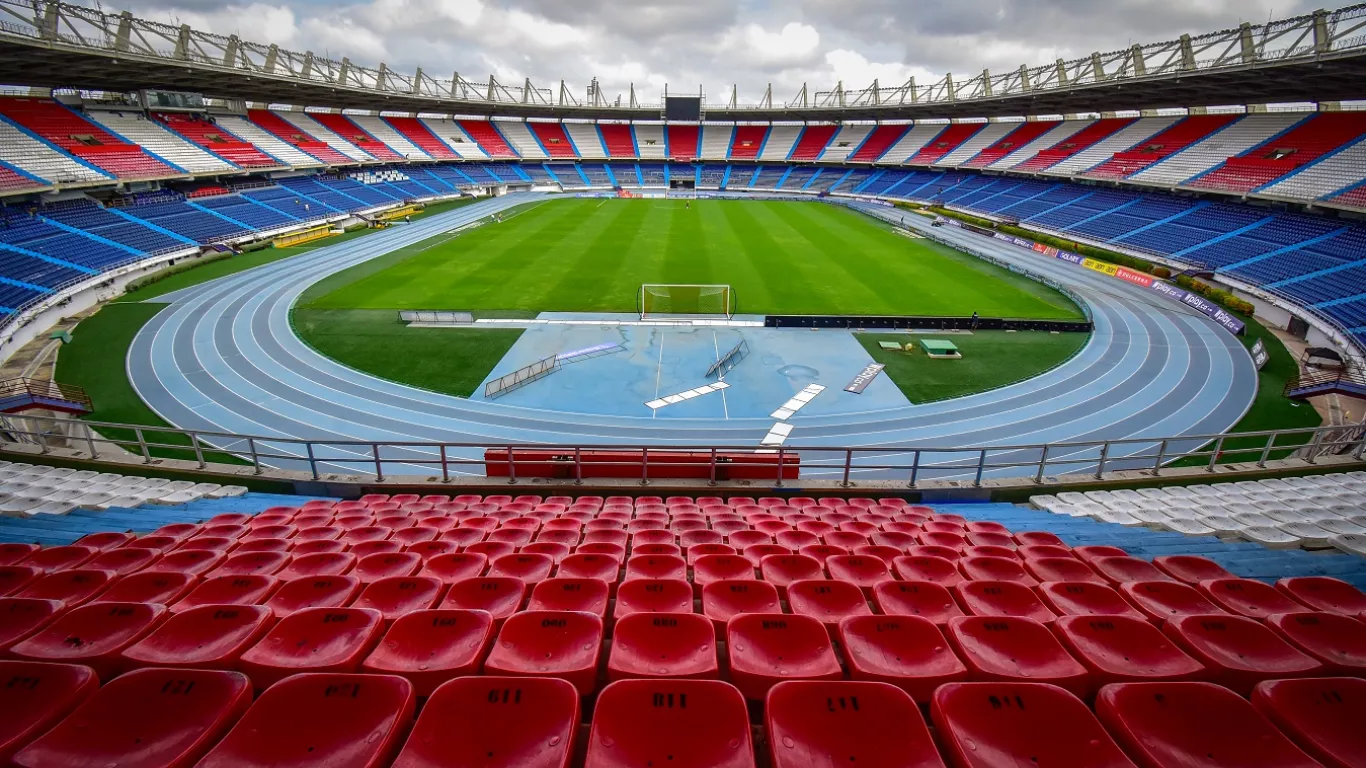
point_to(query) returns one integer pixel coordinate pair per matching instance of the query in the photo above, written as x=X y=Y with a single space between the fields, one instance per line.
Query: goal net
x=686 y=301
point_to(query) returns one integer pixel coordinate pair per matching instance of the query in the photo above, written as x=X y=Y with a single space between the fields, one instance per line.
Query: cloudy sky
x=712 y=43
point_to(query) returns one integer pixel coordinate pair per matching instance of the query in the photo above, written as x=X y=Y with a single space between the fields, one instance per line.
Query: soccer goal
x=674 y=301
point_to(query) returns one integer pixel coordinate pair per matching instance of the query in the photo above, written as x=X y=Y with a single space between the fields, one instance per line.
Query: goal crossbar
x=686 y=300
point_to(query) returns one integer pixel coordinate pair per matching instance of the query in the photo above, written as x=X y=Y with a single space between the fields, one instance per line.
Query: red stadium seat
x=952 y=554
x=906 y=651
x=864 y=572
x=782 y=570
x=229 y=590
x=152 y=717
x=124 y=560
x=452 y=567
x=644 y=537
x=656 y=567
x=1089 y=553
x=568 y=594
x=939 y=570
x=1322 y=593
x=500 y=596
x=766 y=648
x=264 y=545
x=463 y=537
x=1002 y=598
x=12 y=553
x=659 y=645
x=21 y=617
x=1123 y=649
x=587 y=565
x=94 y=635
x=723 y=599
x=1189 y=569
x=1121 y=570
x=383 y=565
x=747 y=538
x=252 y=564
x=207 y=637
x=191 y=561
x=1068 y=569
x=656 y=550
x=399 y=595
x=34 y=696
x=341 y=721
x=70 y=588
x=105 y=540
x=856 y=723
x=653 y=596
x=1180 y=724
x=1037 y=551
x=555 y=550
x=828 y=601
x=943 y=539
x=1086 y=599
x=989 y=725
x=991 y=539
x=1336 y=641
x=1165 y=600
x=1321 y=715
x=989 y=550
x=924 y=599
x=709 y=568
x=430 y=647
x=313 y=592
x=13 y=578
x=1239 y=652
x=1248 y=597
x=1008 y=648
x=430 y=549
x=318 y=564
x=670 y=723
x=495 y=722
x=755 y=553
x=995 y=569
x=313 y=640
x=1038 y=538
x=562 y=644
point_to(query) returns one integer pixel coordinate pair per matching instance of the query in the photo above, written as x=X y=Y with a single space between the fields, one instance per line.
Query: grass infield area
x=592 y=255
x=991 y=359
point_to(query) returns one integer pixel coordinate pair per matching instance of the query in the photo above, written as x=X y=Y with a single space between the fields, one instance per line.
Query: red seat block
x=13 y=553
x=207 y=637
x=939 y=570
x=1322 y=593
x=94 y=635
x=313 y=640
x=1337 y=641
x=1321 y=715
x=906 y=651
x=1090 y=553
x=500 y=596
x=1038 y=539
x=60 y=558
x=1008 y=648
x=590 y=565
x=1124 y=649
x=313 y=592
x=1162 y=724
x=864 y=572
x=1121 y=570
x=430 y=647
x=455 y=566
x=653 y=596
x=252 y=564
x=13 y=578
x=1239 y=652
x=828 y=601
x=124 y=560
x=149 y=718
x=766 y=648
x=654 y=645
x=1068 y=569
x=989 y=725
x=1166 y=600
x=1086 y=599
x=148 y=587
x=562 y=594
x=34 y=696
x=709 y=568
x=1248 y=597
x=383 y=565
x=318 y=564
x=70 y=588
x=782 y=570
x=495 y=722
x=670 y=722
x=1037 y=551
x=1189 y=569
x=1002 y=598
x=340 y=721
x=229 y=590
x=21 y=617
x=398 y=595
x=723 y=599
x=190 y=561
x=810 y=723
x=924 y=599
x=562 y=644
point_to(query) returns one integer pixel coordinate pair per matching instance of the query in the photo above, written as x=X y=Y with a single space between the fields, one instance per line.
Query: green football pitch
x=592 y=255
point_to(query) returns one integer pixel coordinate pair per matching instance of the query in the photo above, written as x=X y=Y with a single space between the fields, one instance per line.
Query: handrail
x=45 y=389
x=909 y=465
x=1323 y=378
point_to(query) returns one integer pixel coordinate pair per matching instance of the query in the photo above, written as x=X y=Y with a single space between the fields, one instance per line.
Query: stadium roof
x=1317 y=57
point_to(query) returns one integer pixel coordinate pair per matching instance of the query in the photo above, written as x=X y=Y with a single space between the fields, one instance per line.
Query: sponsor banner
x=1137 y=278
x=1102 y=267
x=1259 y=354
x=864 y=378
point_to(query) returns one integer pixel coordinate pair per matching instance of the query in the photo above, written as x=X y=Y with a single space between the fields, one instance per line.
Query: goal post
x=674 y=300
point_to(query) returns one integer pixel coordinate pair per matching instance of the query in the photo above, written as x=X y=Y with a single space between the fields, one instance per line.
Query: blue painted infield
x=659 y=361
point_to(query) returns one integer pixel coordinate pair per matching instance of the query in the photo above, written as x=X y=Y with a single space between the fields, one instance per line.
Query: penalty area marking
x=797 y=402
x=655 y=405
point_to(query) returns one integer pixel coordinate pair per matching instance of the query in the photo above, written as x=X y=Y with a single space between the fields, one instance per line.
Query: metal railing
x=910 y=466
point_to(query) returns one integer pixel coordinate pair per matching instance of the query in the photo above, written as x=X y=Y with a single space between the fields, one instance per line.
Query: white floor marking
x=797 y=402
x=659 y=371
x=725 y=409
x=706 y=389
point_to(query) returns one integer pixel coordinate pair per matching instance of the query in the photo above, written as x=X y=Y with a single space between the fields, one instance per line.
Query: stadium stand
x=84 y=140
x=301 y=141
x=1057 y=133
x=683 y=142
x=267 y=142
x=1298 y=147
x=586 y=139
x=1232 y=140
x=310 y=124
x=1075 y=143
x=650 y=140
x=523 y=140
x=945 y=142
x=845 y=142
x=153 y=136
x=1126 y=138
x=404 y=136
x=716 y=142
x=748 y=142
x=987 y=136
x=781 y=140
x=879 y=140
x=618 y=139
x=1189 y=130
x=486 y=137
x=1020 y=136
x=203 y=131
x=812 y=142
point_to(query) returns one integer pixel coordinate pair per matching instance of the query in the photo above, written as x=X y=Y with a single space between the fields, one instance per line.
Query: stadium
x=356 y=416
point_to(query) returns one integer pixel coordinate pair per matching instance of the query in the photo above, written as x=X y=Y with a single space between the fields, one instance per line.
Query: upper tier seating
x=1020 y=136
x=1297 y=148
x=748 y=141
x=1073 y=144
x=881 y=139
x=347 y=130
x=813 y=141
x=586 y=139
x=90 y=217
x=268 y=142
x=405 y=136
x=618 y=138
x=1185 y=132
x=308 y=123
x=945 y=142
x=524 y=141
x=845 y=141
x=716 y=140
x=989 y=135
x=202 y=131
x=1232 y=140
x=302 y=141
x=781 y=140
x=154 y=136
x=683 y=142
x=483 y=133
x=84 y=139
